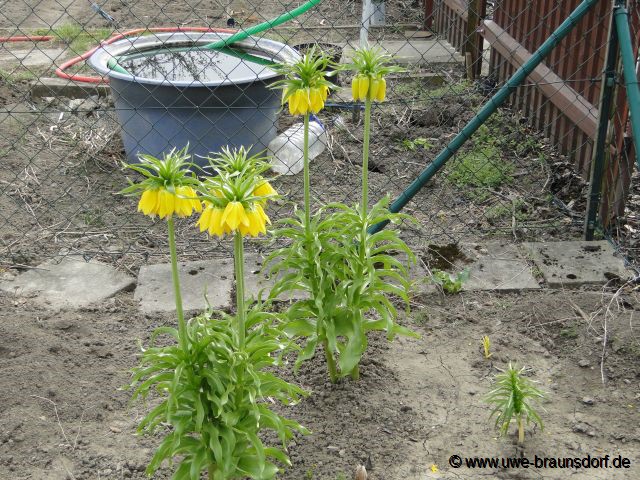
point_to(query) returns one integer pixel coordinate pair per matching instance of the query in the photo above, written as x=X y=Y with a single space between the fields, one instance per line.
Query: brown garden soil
x=417 y=403
x=329 y=14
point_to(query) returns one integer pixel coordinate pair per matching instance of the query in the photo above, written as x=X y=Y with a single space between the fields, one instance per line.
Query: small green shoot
x=512 y=400
x=450 y=283
x=413 y=145
x=486 y=345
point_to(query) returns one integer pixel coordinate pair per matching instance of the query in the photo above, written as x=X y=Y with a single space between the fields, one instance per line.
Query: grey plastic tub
x=208 y=102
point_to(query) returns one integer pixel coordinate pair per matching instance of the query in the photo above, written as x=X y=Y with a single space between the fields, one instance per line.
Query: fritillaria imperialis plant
x=347 y=274
x=212 y=379
x=512 y=399
x=305 y=89
x=370 y=66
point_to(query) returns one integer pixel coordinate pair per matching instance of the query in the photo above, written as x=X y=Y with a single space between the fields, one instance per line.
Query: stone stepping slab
x=68 y=283
x=71 y=282
x=498 y=266
x=575 y=263
x=492 y=266
x=211 y=277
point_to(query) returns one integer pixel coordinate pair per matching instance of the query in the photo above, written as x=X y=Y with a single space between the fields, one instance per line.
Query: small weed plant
x=512 y=399
x=450 y=283
x=416 y=144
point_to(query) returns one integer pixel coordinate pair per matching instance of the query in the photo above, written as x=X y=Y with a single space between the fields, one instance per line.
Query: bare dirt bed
x=418 y=402
x=153 y=13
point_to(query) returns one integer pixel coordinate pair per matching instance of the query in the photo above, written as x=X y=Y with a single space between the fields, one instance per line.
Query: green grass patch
x=75 y=36
x=418 y=90
x=502 y=211
x=481 y=167
x=451 y=90
x=16 y=76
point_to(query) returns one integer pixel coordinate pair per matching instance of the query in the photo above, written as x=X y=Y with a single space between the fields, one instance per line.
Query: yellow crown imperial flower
x=305 y=85
x=370 y=66
x=166 y=188
x=234 y=199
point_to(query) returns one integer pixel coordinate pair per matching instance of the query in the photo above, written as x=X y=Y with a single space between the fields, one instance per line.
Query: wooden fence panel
x=563 y=103
x=561 y=97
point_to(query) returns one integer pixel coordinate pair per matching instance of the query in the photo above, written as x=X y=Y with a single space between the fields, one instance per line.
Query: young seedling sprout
x=486 y=345
x=512 y=399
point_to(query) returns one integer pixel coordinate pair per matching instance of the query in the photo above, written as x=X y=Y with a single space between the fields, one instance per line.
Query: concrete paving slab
x=576 y=263
x=256 y=281
x=155 y=286
x=35 y=57
x=413 y=51
x=497 y=266
x=69 y=283
x=58 y=87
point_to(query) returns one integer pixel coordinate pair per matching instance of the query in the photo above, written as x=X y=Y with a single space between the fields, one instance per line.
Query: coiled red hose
x=60 y=71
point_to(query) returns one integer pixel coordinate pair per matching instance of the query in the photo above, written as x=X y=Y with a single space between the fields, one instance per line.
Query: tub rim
x=100 y=58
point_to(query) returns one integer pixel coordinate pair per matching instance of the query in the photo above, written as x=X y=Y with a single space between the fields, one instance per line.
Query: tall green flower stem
x=307 y=182
x=238 y=259
x=331 y=363
x=365 y=155
x=182 y=327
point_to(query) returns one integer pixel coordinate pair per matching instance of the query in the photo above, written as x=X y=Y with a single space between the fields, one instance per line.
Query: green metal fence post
x=621 y=15
x=599 y=152
x=488 y=109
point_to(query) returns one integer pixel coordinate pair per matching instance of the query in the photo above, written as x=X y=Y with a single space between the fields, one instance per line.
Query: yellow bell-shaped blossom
x=379 y=89
x=360 y=87
x=256 y=222
x=325 y=92
x=263 y=215
x=264 y=189
x=211 y=221
x=235 y=215
x=149 y=202
x=316 y=100
x=186 y=201
x=163 y=203
x=166 y=203
x=293 y=103
x=304 y=100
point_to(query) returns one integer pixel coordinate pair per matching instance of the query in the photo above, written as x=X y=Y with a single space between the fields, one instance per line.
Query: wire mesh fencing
x=63 y=142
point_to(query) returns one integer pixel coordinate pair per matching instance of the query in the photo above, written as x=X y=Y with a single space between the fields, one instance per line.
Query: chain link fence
x=522 y=176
